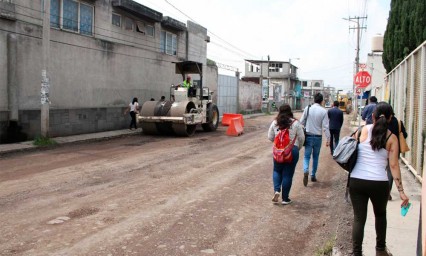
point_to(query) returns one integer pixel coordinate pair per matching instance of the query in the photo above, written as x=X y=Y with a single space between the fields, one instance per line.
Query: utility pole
x=45 y=85
x=358 y=38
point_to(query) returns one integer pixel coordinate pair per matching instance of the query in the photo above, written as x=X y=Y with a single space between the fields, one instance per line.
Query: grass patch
x=42 y=141
x=327 y=249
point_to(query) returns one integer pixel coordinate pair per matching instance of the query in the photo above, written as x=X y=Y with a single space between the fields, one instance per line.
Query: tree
x=405 y=31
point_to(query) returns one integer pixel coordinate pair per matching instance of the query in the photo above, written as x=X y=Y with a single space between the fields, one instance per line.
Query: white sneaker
x=285 y=202
x=276 y=196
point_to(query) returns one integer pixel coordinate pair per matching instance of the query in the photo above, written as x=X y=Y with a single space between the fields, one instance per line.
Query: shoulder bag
x=403 y=146
x=306 y=123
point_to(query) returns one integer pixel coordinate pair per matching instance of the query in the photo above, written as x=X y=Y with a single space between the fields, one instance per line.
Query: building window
x=116 y=20
x=72 y=15
x=275 y=67
x=140 y=27
x=54 y=13
x=168 y=43
x=317 y=84
x=86 y=19
x=149 y=30
x=128 y=24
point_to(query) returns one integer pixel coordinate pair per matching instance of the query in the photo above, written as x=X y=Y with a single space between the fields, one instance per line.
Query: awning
x=173 y=24
x=138 y=10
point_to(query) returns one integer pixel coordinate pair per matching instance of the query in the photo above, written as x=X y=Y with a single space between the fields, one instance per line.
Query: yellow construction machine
x=345 y=103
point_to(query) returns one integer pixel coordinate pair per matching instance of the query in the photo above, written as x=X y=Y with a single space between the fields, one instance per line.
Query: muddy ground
x=154 y=195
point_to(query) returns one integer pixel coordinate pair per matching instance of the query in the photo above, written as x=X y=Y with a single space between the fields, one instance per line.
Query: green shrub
x=43 y=141
x=327 y=250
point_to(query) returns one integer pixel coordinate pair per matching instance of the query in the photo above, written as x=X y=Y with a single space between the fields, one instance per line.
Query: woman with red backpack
x=285 y=128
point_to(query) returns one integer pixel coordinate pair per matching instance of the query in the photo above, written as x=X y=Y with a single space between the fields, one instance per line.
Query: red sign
x=362 y=79
x=358 y=91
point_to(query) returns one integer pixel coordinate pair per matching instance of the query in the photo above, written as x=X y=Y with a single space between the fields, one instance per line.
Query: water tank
x=377 y=43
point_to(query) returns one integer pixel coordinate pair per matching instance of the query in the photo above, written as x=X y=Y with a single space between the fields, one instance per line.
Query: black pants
x=133 y=121
x=360 y=192
x=334 y=139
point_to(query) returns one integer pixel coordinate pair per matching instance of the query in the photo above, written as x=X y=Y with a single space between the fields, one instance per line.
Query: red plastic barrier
x=227 y=117
x=235 y=128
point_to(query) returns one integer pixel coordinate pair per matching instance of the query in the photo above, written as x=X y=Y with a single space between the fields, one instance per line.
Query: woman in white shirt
x=133 y=108
x=369 y=180
x=283 y=172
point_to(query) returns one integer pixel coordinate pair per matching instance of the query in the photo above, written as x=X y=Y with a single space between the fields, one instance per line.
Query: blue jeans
x=313 y=146
x=283 y=174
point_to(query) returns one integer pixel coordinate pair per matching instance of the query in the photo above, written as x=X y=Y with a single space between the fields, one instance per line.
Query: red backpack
x=283 y=146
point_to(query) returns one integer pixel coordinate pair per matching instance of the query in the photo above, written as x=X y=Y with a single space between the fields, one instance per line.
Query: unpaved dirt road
x=144 y=195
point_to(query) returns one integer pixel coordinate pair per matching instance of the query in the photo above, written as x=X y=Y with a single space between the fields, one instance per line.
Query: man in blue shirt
x=315 y=123
x=336 y=121
x=368 y=110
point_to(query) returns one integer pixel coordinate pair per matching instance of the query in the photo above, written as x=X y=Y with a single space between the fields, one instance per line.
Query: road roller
x=184 y=111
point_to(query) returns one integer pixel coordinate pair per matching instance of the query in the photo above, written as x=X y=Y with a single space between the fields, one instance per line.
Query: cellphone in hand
x=404 y=209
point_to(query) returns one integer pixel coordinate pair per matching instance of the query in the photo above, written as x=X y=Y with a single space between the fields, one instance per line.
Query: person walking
x=368 y=110
x=369 y=181
x=282 y=175
x=394 y=129
x=335 y=115
x=315 y=123
x=133 y=108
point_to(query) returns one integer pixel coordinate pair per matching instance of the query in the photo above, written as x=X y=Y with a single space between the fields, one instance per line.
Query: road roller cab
x=186 y=108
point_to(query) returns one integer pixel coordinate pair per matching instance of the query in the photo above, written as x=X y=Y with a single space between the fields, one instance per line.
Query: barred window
x=72 y=15
x=168 y=43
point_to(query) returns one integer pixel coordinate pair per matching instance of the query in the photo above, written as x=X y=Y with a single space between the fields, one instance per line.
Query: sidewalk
x=402 y=232
x=28 y=145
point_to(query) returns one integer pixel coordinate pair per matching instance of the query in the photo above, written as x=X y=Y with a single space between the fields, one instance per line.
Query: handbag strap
x=307 y=115
x=359 y=130
x=399 y=126
x=295 y=136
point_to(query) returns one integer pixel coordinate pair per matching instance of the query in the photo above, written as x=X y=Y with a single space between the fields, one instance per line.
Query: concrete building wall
x=377 y=72
x=250 y=97
x=3 y=72
x=93 y=78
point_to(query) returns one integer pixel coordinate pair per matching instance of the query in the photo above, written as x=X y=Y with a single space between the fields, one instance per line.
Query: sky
x=312 y=33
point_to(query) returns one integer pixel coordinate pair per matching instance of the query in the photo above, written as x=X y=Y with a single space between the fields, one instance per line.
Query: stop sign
x=362 y=79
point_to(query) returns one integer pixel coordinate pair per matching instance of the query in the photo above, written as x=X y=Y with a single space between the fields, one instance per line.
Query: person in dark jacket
x=394 y=129
x=368 y=110
x=336 y=121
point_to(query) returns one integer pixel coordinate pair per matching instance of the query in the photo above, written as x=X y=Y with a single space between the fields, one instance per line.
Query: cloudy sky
x=312 y=33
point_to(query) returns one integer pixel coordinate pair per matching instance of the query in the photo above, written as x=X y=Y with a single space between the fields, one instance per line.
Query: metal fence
x=406 y=91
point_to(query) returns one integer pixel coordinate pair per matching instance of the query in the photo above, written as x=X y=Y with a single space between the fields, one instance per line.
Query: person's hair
x=336 y=103
x=382 y=113
x=152 y=99
x=134 y=100
x=163 y=97
x=283 y=121
x=318 y=98
x=286 y=110
x=373 y=99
